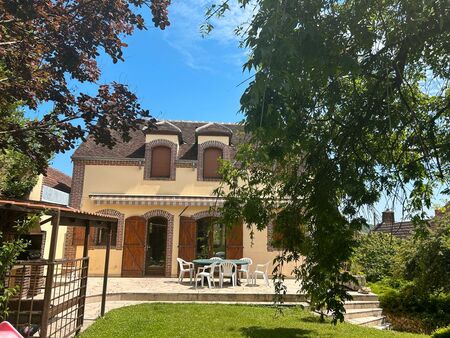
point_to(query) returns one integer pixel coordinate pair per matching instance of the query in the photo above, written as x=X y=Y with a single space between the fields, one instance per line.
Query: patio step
x=372 y=321
x=361 y=313
x=198 y=297
x=361 y=304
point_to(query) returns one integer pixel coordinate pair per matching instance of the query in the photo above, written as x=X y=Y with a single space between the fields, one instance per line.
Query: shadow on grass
x=261 y=332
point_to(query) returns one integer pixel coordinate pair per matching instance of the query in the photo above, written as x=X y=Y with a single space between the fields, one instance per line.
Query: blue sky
x=176 y=73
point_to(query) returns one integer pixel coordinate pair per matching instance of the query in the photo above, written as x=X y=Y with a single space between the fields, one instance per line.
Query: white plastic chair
x=216 y=259
x=246 y=268
x=185 y=267
x=207 y=272
x=261 y=269
x=228 y=269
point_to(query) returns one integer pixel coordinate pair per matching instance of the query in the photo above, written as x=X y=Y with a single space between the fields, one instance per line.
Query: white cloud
x=186 y=17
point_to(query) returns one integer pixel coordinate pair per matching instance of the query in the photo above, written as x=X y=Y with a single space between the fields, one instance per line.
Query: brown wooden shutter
x=78 y=236
x=188 y=239
x=160 y=166
x=211 y=162
x=134 y=247
x=234 y=242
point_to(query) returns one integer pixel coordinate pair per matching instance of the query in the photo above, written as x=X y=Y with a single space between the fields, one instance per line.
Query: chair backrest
x=212 y=267
x=266 y=266
x=216 y=259
x=181 y=262
x=227 y=267
x=247 y=266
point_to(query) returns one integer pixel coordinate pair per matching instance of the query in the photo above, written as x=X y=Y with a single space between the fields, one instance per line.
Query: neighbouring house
x=160 y=186
x=401 y=229
x=52 y=187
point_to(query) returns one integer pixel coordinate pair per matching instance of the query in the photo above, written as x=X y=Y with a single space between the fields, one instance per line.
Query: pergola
x=56 y=306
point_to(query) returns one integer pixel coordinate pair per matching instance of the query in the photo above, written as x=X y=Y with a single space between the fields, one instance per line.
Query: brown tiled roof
x=56 y=179
x=135 y=148
x=213 y=128
x=398 y=229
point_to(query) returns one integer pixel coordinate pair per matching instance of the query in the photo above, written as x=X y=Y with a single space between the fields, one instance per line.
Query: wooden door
x=188 y=239
x=234 y=242
x=134 y=247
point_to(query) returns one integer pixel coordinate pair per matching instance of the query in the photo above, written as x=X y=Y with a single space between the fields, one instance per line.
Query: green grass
x=212 y=320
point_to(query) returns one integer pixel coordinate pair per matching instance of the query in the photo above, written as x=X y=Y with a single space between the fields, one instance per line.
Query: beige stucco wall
x=35 y=194
x=154 y=137
x=47 y=227
x=205 y=138
x=130 y=180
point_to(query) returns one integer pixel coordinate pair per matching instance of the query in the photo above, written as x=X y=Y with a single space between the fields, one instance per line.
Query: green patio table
x=206 y=261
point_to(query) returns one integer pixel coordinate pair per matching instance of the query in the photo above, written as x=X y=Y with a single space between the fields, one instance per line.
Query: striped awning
x=168 y=200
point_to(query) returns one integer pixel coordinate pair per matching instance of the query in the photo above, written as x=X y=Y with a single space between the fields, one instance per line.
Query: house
x=53 y=187
x=402 y=229
x=160 y=186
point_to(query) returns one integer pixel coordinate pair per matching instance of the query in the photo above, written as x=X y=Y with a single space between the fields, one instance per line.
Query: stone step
x=361 y=313
x=197 y=297
x=362 y=304
x=368 y=321
x=361 y=297
x=385 y=326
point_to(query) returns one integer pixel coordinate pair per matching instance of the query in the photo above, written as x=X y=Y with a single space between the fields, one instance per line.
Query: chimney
x=388 y=217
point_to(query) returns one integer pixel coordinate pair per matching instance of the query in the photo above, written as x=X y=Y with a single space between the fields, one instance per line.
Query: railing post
x=83 y=284
x=50 y=273
x=105 y=274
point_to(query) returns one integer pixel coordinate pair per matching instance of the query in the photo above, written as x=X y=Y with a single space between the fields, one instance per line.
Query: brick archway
x=120 y=224
x=206 y=213
x=169 y=240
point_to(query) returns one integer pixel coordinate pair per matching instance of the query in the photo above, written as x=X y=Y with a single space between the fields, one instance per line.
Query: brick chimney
x=388 y=217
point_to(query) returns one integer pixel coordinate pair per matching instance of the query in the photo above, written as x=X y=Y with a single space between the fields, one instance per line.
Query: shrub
x=428 y=312
x=442 y=333
x=374 y=255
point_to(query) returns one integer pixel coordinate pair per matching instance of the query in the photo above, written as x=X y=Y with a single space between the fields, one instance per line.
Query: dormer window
x=160 y=162
x=211 y=163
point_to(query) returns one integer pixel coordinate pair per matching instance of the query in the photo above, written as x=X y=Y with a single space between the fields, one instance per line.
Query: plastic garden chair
x=245 y=269
x=185 y=267
x=261 y=269
x=227 y=269
x=206 y=272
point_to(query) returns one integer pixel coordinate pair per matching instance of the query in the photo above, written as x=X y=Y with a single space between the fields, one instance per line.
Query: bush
x=374 y=256
x=442 y=333
x=427 y=312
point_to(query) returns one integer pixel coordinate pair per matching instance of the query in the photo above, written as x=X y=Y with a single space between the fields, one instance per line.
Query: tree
x=349 y=99
x=43 y=44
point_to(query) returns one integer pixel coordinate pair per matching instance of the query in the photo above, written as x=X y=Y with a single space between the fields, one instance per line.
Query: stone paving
x=171 y=285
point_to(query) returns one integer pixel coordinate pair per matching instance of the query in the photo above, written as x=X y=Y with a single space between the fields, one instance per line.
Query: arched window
x=160 y=166
x=211 y=164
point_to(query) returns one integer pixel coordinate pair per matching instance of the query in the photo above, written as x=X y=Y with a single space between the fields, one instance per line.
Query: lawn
x=212 y=320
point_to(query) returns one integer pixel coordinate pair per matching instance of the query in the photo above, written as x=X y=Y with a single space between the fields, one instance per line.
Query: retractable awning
x=159 y=200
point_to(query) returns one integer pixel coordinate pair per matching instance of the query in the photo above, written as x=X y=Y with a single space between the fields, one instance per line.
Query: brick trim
x=226 y=154
x=169 y=238
x=148 y=159
x=206 y=213
x=75 y=197
x=270 y=247
x=120 y=228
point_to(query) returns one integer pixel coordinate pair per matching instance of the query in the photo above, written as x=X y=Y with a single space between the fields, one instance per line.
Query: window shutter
x=211 y=158
x=160 y=166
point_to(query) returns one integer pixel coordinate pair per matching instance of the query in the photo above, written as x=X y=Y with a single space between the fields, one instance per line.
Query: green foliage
x=375 y=254
x=430 y=310
x=349 y=99
x=442 y=333
x=10 y=248
x=18 y=174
